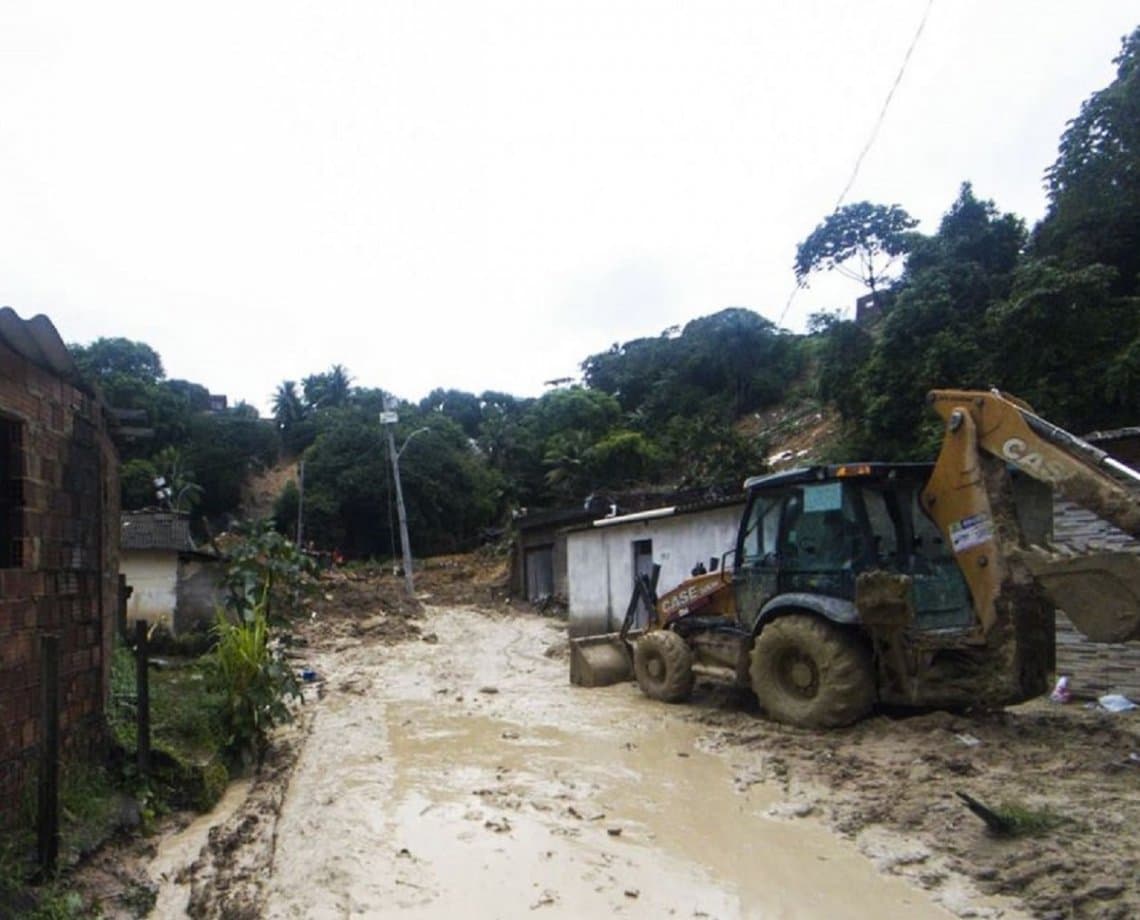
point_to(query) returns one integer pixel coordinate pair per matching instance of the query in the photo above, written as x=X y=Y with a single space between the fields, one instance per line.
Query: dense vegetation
x=1049 y=313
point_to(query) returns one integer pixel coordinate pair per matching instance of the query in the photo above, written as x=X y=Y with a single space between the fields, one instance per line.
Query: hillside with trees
x=1049 y=313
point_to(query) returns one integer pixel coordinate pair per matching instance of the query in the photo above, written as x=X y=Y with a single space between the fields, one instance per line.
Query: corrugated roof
x=36 y=340
x=156 y=530
x=710 y=502
x=695 y=498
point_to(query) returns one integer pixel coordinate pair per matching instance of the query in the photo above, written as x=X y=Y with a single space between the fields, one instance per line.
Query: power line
x=886 y=105
x=871 y=138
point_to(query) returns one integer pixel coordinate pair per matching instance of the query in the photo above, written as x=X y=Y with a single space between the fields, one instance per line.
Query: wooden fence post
x=47 y=825
x=142 y=689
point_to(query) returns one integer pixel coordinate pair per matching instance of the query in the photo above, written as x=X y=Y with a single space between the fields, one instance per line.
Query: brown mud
x=444 y=765
x=463 y=776
x=899 y=777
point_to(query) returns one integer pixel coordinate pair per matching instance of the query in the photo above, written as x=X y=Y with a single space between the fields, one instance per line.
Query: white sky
x=481 y=193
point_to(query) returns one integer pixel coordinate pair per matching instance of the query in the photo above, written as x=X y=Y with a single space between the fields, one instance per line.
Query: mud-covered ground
x=898 y=778
x=443 y=765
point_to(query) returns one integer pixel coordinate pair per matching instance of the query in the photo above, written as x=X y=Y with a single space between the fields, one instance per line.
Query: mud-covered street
x=460 y=774
x=443 y=765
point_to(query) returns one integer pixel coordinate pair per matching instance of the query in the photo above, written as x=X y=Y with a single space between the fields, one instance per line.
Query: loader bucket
x=598 y=661
x=1099 y=592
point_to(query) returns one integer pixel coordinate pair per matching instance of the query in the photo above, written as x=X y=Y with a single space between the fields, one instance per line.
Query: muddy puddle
x=182 y=848
x=464 y=777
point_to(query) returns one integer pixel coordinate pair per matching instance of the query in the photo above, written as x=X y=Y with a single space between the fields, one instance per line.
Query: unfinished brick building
x=59 y=549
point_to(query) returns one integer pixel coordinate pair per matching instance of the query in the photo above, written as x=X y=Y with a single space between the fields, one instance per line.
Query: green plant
x=1020 y=820
x=266 y=569
x=250 y=672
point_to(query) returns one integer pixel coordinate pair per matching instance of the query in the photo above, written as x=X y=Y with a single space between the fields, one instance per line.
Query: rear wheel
x=663 y=665
x=807 y=672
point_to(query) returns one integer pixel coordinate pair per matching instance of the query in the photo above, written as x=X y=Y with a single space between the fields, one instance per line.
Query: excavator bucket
x=1099 y=592
x=598 y=661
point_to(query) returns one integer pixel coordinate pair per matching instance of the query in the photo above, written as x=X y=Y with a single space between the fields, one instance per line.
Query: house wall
x=532 y=539
x=152 y=575
x=1094 y=668
x=65 y=583
x=199 y=594
x=552 y=535
x=600 y=561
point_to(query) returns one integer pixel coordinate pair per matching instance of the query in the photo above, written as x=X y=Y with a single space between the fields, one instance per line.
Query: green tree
x=1076 y=327
x=630 y=371
x=623 y=458
x=136 y=479
x=845 y=348
x=710 y=452
x=1094 y=185
x=565 y=458
x=288 y=407
x=450 y=492
x=728 y=363
x=224 y=449
x=292 y=417
x=181 y=491
x=330 y=390
x=107 y=358
x=860 y=241
x=936 y=334
x=574 y=408
x=732 y=362
x=194 y=395
x=465 y=409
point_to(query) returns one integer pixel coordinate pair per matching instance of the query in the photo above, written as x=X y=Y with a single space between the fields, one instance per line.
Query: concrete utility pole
x=300 y=502
x=388 y=419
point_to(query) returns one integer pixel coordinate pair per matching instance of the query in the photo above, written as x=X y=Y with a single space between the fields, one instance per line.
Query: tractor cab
x=806 y=534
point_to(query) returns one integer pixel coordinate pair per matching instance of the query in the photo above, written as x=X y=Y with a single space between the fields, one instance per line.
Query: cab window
x=761 y=529
x=884 y=528
x=821 y=532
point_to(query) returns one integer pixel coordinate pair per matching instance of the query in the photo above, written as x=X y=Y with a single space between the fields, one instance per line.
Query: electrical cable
x=871 y=138
x=886 y=104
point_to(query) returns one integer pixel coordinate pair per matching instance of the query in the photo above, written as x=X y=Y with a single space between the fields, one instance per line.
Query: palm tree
x=328 y=390
x=288 y=407
x=566 y=458
x=338 y=386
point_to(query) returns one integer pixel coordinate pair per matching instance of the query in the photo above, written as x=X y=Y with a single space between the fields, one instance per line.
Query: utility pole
x=300 y=500
x=388 y=419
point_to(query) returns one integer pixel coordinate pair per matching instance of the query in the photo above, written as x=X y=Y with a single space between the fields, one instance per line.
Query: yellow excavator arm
x=968 y=497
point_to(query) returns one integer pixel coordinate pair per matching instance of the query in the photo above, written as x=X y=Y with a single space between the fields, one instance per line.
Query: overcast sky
x=480 y=194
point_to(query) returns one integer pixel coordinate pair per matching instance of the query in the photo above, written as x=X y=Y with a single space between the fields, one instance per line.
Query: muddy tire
x=807 y=672
x=663 y=665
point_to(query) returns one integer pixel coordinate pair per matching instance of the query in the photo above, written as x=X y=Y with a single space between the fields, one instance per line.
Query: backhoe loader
x=920 y=585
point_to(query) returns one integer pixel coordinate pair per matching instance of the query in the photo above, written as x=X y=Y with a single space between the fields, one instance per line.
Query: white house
x=604 y=556
x=171 y=583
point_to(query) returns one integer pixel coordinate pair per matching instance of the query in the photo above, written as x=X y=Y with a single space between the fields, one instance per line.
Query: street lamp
x=388 y=419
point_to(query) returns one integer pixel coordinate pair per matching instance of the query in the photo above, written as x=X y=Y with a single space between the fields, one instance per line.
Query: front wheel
x=663 y=665
x=807 y=672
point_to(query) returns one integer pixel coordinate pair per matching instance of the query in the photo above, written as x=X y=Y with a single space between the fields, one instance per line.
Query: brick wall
x=1094 y=669
x=62 y=577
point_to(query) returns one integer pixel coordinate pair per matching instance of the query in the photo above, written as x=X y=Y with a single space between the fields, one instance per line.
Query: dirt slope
x=261 y=490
